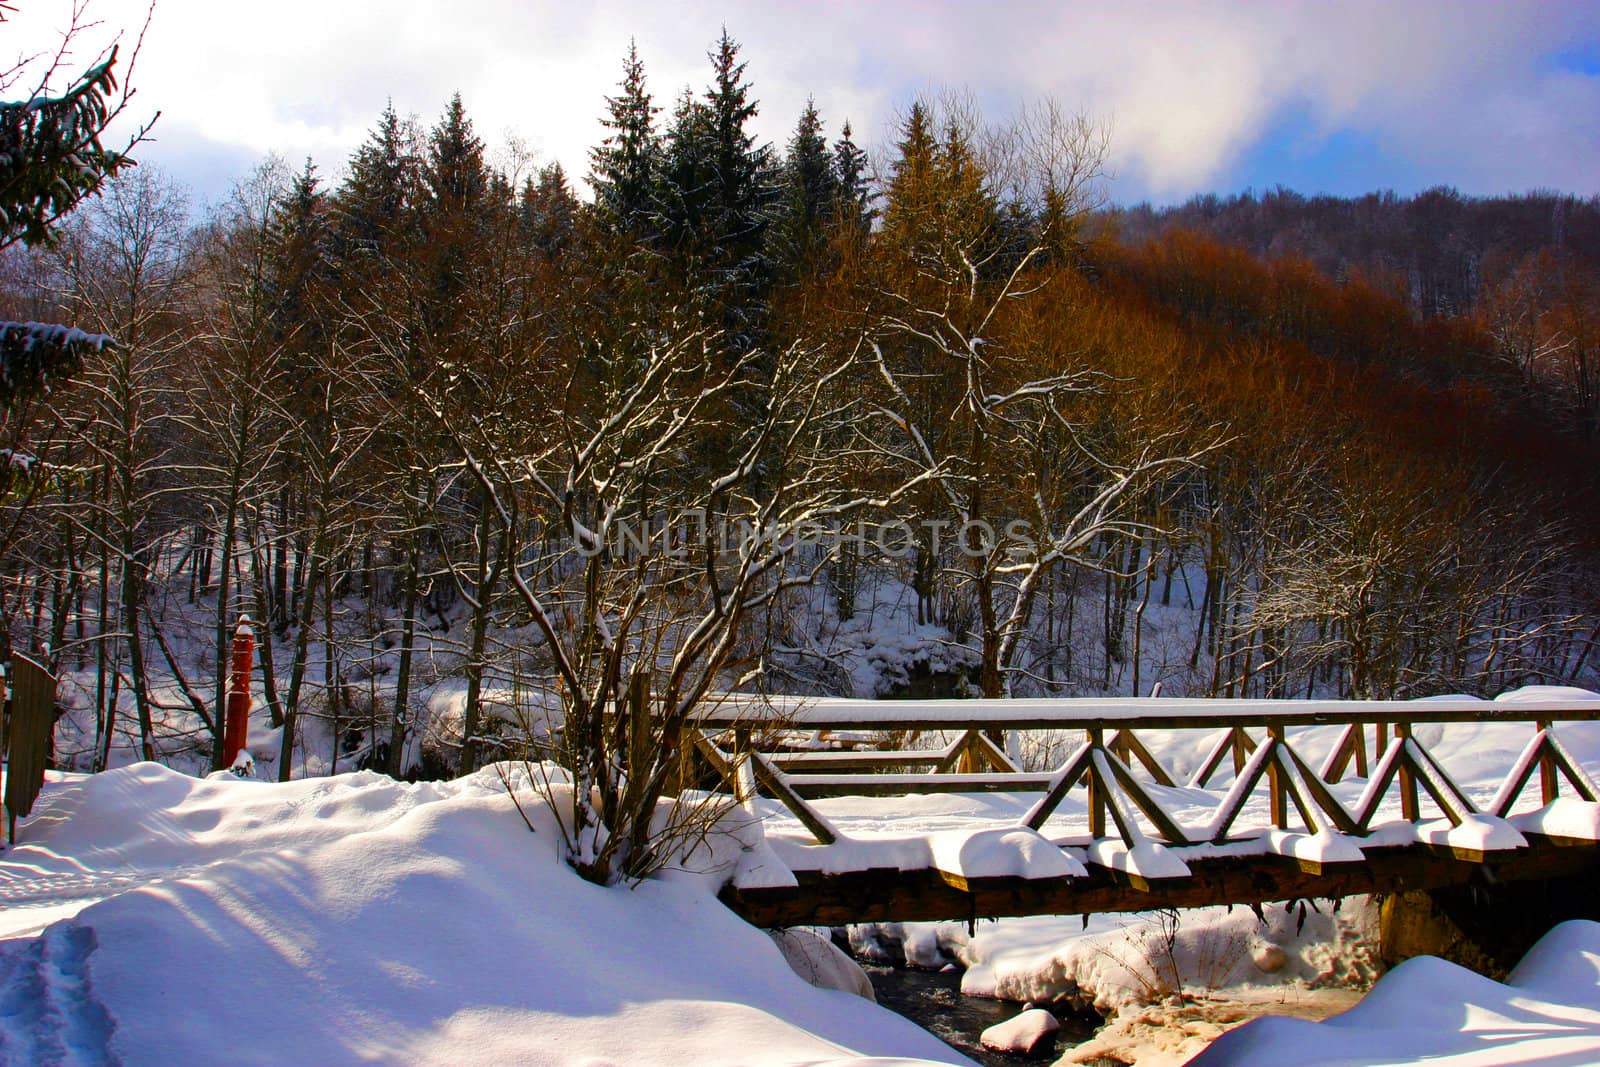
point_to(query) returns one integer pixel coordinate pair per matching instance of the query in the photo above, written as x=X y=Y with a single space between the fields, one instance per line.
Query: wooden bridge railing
x=794 y=751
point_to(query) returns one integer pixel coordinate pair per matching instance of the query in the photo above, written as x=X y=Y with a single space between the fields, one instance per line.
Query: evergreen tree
x=940 y=210
x=549 y=211
x=51 y=158
x=299 y=275
x=852 y=190
x=502 y=194
x=456 y=176
x=298 y=241
x=717 y=197
x=455 y=215
x=374 y=204
x=912 y=195
x=622 y=170
x=810 y=190
x=743 y=189
x=684 y=186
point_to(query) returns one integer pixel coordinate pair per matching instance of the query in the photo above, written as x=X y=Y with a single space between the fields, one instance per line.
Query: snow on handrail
x=833 y=713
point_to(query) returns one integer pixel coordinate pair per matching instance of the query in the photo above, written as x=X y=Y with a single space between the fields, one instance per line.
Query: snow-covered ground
x=359 y=920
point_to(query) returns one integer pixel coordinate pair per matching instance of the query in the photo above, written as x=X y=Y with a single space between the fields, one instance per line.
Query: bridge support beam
x=890 y=895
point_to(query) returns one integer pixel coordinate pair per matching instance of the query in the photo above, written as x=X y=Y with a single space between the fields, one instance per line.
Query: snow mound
x=1015 y=852
x=1547 y=1012
x=1562 y=817
x=1323 y=847
x=921 y=945
x=1023 y=1032
x=1531 y=694
x=1482 y=833
x=760 y=868
x=1145 y=858
x=813 y=956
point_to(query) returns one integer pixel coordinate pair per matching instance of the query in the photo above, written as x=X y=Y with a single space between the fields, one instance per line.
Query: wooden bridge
x=1378 y=817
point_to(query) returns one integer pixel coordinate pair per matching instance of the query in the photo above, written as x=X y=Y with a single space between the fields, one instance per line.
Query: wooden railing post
x=1097 y=800
x=1549 y=783
x=969 y=763
x=1276 y=786
x=1409 y=807
x=1352 y=747
x=744 y=776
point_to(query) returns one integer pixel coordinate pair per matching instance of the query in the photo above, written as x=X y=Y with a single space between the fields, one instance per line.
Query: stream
x=933 y=1000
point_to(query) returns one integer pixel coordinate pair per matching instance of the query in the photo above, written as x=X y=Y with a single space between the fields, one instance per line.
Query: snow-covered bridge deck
x=923 y=809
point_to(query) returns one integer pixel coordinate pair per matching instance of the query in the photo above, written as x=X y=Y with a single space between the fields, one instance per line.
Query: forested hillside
x=487 y=461
x=1444 y=252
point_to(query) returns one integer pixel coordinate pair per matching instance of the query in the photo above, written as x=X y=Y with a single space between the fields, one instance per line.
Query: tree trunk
x=402 y=685
x=280 y=569
x=266 y=608
x=224 y=631
x=297 y=673
x=1138 y=619
x=333 y=681
x=484 y=581
x=104 y=712
x=132 y=604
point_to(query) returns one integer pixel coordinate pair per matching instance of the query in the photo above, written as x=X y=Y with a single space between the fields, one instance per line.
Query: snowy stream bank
x=1151 y=989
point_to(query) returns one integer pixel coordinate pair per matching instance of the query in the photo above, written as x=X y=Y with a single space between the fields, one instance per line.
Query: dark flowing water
x=933 y=1000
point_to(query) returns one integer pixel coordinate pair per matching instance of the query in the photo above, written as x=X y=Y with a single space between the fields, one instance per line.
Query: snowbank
x=1427 y=1010
x=360 y=920
x=1025 y=1032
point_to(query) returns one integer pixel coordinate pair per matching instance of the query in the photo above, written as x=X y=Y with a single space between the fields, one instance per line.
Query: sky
x=1339 y=97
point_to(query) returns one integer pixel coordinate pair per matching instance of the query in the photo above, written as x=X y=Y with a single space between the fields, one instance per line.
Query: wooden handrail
x=1102 y=764
x=1137 y=713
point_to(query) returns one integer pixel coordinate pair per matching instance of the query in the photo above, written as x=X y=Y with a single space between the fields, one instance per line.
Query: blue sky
x=1343 y=162
x=1355 y=158
x=1334 y=97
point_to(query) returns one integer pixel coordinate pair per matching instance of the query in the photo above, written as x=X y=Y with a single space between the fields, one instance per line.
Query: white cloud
x=1462 y=90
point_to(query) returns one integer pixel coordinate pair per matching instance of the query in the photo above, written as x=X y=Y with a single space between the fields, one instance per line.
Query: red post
x=238 y=721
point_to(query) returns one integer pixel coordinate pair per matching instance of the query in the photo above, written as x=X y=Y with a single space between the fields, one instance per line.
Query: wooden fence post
x=27 y=741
